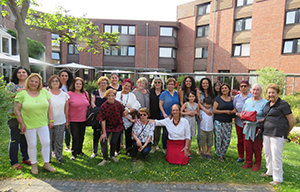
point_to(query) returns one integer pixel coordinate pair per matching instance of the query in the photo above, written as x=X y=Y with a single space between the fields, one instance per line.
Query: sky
x=158 y=10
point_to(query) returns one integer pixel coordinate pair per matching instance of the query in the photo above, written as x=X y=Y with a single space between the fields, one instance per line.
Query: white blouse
x=181 y=131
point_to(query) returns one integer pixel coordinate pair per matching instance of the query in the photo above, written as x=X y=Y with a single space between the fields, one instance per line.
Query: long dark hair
x=70 y=79
x=217 y=93
x=193 y=86
x=209 y=90
x=14 y=77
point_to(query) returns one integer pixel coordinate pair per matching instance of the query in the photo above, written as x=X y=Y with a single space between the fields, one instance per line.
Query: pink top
x=78 y=106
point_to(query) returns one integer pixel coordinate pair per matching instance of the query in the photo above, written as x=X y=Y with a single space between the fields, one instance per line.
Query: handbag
x=248 y=116
x=90 y=114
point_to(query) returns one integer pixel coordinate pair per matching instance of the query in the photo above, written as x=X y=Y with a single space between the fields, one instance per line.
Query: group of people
x=140 y=114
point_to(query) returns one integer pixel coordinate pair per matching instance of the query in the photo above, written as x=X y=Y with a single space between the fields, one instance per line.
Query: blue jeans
x=145 y=151
x=16 y=140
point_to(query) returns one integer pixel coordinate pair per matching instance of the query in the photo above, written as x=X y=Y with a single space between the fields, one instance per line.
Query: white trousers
x=44 y=137
x=273 y=148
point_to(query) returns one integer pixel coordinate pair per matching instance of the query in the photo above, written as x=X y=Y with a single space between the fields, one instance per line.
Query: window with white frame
x=291 y=46
x=292 y=17
x=167 y=31
x=241 y=50
x=243 y=24
x=121 y=51
x=202 y=31
x=122 y=29
x=241 y=3
x=204 y=9
x=5 y=45
x=167 y=52
x=201 y=52
x=54 y=41
x=73 y=49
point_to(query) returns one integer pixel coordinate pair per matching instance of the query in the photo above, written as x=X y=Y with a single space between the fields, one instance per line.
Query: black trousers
x=96 y=136
x=77 y=131
x=113 y=144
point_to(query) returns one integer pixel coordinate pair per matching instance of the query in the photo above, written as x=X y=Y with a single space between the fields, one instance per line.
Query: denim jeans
x=145 y=151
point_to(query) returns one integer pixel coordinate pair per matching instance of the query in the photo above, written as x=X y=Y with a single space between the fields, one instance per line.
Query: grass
x=156 y=169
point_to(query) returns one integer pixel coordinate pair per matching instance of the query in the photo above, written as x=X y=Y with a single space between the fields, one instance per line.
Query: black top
x=154 y=105
x=276 y=124
x=98 y=100
x=223 y=105
x=119 y=89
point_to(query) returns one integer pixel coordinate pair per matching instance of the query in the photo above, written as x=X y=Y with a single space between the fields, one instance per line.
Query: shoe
x=153 y=150
x=198 y=151
x=165 y=151
x=60 y=161
x=17 y=166
x=134 y=159
x=67 y=149
x=221 y=159
x=93 y=155
x=246 y=166
x=47 y=167
x=240 y=160
x=82 y=154
x=116 y=153
x=208 y=157
x=53 y=154
x=34 y=169
x=115 y=159
x=26 y=162
x=265 y=175
x=203 y=156
x=275 y=183
x=156 y=148
x=73 y=157
x=103 y=162
x=255 y=168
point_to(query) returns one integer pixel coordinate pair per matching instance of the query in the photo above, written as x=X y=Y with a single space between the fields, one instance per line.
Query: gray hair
x=144 y=80
x=258 y=85
x=160 y=79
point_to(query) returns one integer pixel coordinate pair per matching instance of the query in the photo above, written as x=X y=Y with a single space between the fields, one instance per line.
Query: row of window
x=167 y=32
x=292 y=17
x=239 y=50
x=122 y=29
x=122 y=51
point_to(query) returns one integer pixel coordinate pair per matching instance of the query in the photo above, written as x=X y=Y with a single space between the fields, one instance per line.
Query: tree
x=70 y=29
x=269 y=75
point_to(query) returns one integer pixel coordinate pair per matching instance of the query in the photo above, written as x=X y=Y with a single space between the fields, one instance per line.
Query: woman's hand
x=103 y=137
x=93 y=105
x=67 y=124
x=141 y=148
x=261 y=120
x=165 y=115
x=50 y=125
x=138 y=143
x=186 y=151
x=22 y=128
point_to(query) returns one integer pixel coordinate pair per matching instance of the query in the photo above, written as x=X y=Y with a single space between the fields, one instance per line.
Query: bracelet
x=51 y=121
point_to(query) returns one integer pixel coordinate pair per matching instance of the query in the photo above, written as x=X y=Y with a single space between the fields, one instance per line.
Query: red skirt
x=174 y=153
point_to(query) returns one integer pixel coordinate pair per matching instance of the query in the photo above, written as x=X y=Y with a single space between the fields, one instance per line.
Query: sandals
x=17 y=166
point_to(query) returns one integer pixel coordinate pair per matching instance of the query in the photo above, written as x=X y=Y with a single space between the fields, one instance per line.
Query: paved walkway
x=37 y=185
x=296 y=129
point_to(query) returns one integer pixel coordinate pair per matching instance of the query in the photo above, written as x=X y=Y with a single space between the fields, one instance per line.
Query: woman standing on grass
x=141 y=93
x=166 y=100
x=155 y=92
x=114 y=82
x=278 y=123
x=16 y=138
x=179 y=136
x=78 y=106
x=66 y=79
x=97 y=99
x=110 y=116
x=223 y=113
x=60 y=104
x=33 y=110
x=253 y=139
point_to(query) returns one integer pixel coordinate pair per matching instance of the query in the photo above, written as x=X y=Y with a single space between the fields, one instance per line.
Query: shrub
x=91 y=86
x=6 y=102
x=269 y=75
x=294 y=101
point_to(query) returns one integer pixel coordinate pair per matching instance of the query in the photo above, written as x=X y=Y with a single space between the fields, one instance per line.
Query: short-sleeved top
x=34 y=110
x=142 y=98
x=154 y=105
x=238 y=103
x=98 y=100
x=224 y=105
x=276 y=124
x=112 y=114
x=181 y=131
x=207 y=121
x=78 y=106
x=58 y=103
x=143 y=132
x=119 y=88
x=258 y=106
x=169 y=101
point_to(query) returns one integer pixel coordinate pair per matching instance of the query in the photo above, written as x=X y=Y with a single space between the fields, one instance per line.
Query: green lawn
x=156 y=168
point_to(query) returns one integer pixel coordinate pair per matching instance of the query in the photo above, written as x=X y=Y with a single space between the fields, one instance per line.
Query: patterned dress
x=192 y=120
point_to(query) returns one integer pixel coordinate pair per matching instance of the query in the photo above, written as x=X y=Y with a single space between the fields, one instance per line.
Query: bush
x=6 y=102
x=295 y=137
x=269 y=75
x=91 y=86
x=294 y=101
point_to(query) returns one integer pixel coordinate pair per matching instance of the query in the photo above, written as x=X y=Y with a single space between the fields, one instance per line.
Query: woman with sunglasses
x=155 y=92
x=142 y=133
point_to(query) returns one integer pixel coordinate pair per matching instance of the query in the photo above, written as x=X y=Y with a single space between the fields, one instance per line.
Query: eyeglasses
x=157 y=82
x=143 y=114
x=55 y=81
x=244 y=86
x=171 y=84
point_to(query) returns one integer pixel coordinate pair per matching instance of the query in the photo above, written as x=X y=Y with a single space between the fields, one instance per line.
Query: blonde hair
x=273 y=86
x=142 y=79
x=109 y=91
x=158 y=78
x=103 y=78
x=144 y=110
x=175 y=105
x=34 y=75
x=170 y=80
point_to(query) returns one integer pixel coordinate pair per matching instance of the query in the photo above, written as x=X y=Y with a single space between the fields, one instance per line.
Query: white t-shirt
x=180 y=132
x=58 y=104
x=207 y=121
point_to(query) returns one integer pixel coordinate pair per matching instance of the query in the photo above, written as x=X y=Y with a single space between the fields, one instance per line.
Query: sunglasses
x=143 y=114
x=157 y=82
x=244 y=86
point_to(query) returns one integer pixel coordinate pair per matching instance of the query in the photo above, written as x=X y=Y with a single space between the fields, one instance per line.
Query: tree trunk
x=22 y=41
